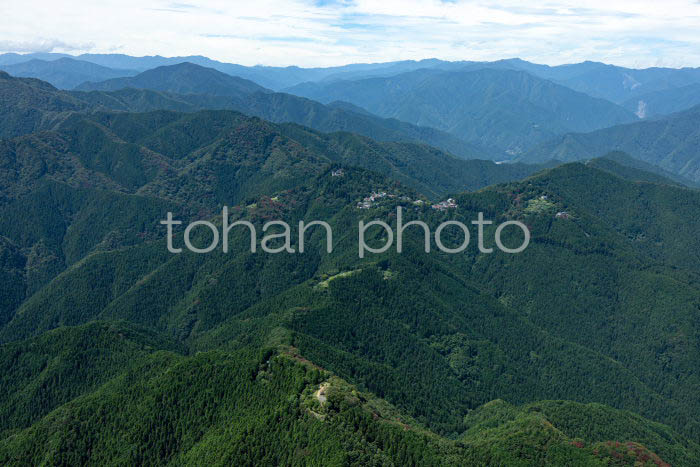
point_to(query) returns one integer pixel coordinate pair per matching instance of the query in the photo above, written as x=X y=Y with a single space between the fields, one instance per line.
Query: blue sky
x=334 y=32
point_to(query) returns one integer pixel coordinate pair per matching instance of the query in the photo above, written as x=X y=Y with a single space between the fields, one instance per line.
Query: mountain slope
x=670 y=143
x=614 y=83
x=668 y=101
x=432 y=171
x=28 y=105
x=41 y=374
x=509 y=110
x=183 y=78
x=271 y=106
x=275 y=407
x=57 y=184
x=620 y=84
x=625 y=166
x=480 y=323
x=601 y=308
x=280 y=107
x=64 y=73
x=267 y=76
x=583 y=425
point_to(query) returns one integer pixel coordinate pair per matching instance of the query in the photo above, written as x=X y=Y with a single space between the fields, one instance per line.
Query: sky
x=308 y=33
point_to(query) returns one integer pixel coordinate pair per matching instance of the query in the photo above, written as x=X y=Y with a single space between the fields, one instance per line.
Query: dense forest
x=29 y=105
x=582 y=350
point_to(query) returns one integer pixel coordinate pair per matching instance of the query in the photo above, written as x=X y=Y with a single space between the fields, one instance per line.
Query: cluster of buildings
x=444 y=205
x=368 y=201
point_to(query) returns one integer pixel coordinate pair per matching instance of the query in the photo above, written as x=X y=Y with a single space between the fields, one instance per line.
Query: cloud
x=42 y=46
x=333 y=32
x=175 y=8
x=182 y=6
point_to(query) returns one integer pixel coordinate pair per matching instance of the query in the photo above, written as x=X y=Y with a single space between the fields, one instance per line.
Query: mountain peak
x=181 y=78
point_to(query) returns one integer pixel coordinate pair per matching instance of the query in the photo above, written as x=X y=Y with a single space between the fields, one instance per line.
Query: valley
x=204 y=263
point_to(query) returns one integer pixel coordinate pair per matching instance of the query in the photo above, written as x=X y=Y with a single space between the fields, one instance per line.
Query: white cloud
x=327 y=32
x=41 y=45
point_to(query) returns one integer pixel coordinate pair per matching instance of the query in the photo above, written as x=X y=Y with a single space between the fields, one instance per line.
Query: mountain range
x=492 y=129
x=504 y=109
x=29 y=105
x=670 y=143
x=184 y=78
x=614 y=83
x=660 y=103
x=88 y=238
x=64 y=73
x=581 y=350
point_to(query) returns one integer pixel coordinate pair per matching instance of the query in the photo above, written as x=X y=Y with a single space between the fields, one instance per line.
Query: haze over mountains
x=670 y=143
x=668 y=101
x=505 y=109
x=498 y=110
x=614 y=83
x=581 y=350
x=64 y=73
x=185 y=78
x=31 y=105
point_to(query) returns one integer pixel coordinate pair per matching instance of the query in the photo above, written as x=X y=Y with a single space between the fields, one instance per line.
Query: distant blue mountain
x=670 y=143
x=64 y=73
x=617 y=84
x=501 y=108
x=28 y=105
x=664 y=102
x=183 y=78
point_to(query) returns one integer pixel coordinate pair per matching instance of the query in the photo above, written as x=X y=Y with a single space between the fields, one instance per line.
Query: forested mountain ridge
x=183 y=78
x=280 y=107
x=58 y=183
x=670 y=143
x=626 y=166
x=614 y=83
x=506 y=109
x=298 y=413
x=28 y=104
x=162 y=138
x=665 y=102
x=456 y=315
x=64 y=73
x=226 y=93
x=581 y=350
